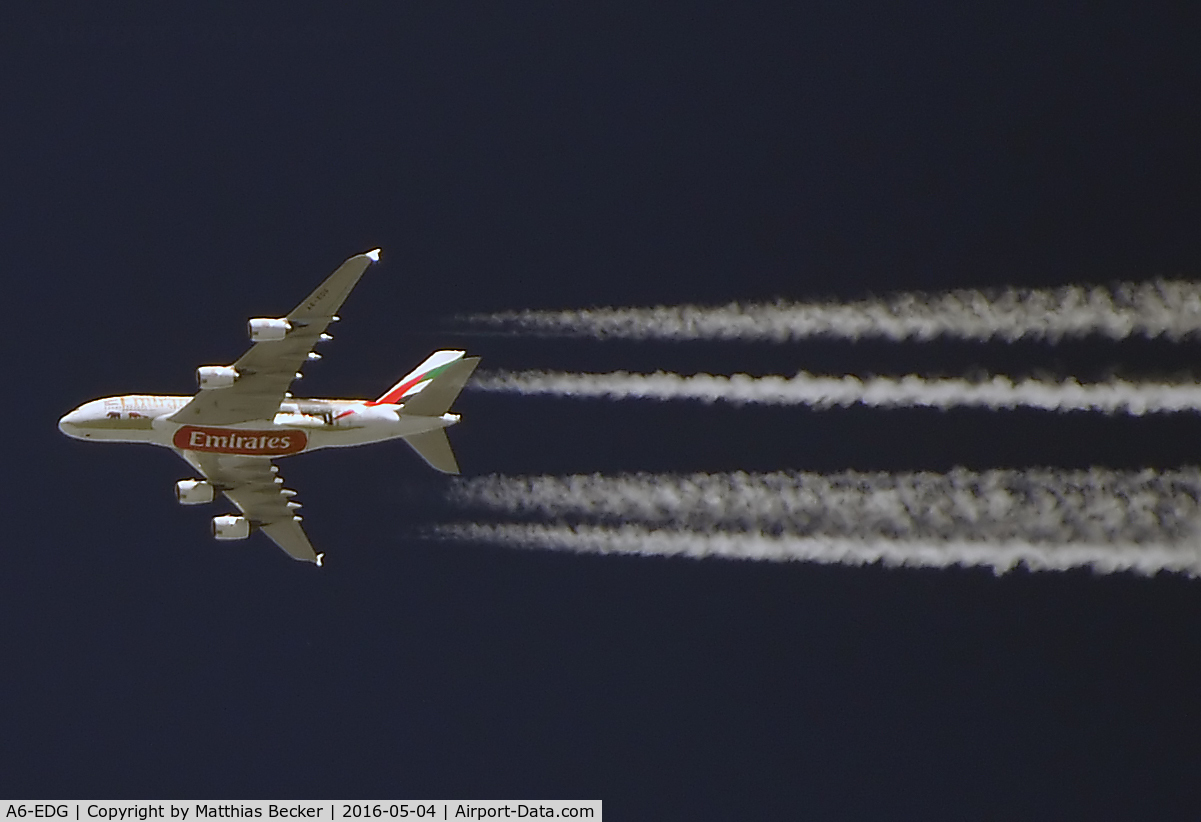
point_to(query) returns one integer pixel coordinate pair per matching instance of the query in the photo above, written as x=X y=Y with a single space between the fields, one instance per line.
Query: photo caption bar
x=326 y=810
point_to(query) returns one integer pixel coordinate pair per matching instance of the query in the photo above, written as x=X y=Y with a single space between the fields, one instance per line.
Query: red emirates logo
x=237 y=441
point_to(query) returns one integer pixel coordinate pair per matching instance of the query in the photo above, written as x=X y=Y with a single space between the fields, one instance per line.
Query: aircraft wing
x=268 y=368
x=250 y=483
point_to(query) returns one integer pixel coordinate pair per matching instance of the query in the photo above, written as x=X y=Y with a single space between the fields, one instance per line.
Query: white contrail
x=1032 y=506
x=1159 y=308
x=1111 y=397
x=1143 y=521
x=1000 y=556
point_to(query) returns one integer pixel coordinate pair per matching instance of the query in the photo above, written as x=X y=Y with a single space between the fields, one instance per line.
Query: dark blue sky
x=168 y=175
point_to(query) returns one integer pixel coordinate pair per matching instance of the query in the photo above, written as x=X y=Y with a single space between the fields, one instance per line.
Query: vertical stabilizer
x=435 y=399
x=419 y=377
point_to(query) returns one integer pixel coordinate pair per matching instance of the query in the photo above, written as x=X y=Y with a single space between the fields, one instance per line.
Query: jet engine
x=216 y=376
x=193 y=492
x=263 y=329
x=230 y=527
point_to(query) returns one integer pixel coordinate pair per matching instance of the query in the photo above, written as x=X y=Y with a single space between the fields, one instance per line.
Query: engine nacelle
x=263 y=329
x=193 y=492
x=231 y=527
x=216 y=376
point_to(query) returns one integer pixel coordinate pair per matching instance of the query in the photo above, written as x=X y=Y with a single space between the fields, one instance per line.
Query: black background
x=169 y=173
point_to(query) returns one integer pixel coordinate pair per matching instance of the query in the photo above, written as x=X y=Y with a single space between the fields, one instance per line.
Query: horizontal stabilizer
x=435 y=399
x=434 y=448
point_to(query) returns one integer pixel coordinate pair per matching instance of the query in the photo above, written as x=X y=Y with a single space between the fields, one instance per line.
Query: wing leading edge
x=268 y=368
x=251 y=484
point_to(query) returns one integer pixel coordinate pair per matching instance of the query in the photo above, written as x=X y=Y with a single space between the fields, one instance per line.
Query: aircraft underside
x=243 y=417
x=301 y=425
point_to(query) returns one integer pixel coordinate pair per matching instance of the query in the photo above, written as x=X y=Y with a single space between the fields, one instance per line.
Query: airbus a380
x=243 y=417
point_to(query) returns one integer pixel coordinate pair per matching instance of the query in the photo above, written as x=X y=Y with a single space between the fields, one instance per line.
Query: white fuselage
x=300 y=425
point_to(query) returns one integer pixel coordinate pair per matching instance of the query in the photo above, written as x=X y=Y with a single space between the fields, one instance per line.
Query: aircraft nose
x=69 y=424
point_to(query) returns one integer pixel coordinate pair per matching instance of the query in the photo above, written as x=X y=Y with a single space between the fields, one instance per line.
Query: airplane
x=243 y=416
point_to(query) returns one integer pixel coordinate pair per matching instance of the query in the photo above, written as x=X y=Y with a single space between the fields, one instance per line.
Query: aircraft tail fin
x=419 y=377
x=436 y=397
x=434 y=448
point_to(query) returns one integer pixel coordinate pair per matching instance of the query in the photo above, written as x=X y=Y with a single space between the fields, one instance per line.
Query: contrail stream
x=1034 y=505
x=1143 y=521
x=1111 y=397
x=1001 y=557
x=1159 y=308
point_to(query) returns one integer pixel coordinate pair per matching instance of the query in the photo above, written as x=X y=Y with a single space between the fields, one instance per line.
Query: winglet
x=373 y=254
